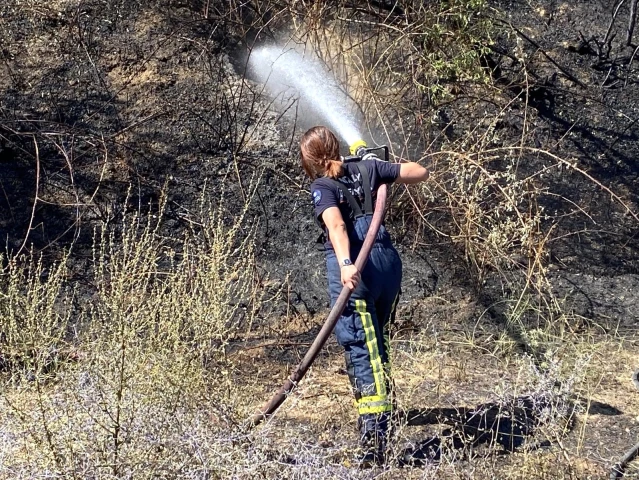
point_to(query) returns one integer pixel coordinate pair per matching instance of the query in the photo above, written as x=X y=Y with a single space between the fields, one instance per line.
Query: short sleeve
x=324 y=197
x=386 y=172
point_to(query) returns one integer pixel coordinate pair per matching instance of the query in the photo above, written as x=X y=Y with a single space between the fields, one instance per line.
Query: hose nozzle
x=354 y=148
x=359 y=151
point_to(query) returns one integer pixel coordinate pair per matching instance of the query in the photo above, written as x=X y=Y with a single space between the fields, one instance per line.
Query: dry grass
x=148 y=395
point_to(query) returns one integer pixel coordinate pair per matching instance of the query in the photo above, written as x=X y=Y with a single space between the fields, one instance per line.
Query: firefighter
x=343 y=197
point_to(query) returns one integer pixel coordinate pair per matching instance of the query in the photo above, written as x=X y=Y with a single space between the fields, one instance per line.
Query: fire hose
x=291 y=383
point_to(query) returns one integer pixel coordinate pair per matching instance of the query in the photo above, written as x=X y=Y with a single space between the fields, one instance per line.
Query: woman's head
x=320 y=153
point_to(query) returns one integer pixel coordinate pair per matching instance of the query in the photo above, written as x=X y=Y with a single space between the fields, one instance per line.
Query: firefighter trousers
x=363 y=328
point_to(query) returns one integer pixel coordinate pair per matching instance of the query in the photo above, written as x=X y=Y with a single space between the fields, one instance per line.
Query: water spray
x=289 y=76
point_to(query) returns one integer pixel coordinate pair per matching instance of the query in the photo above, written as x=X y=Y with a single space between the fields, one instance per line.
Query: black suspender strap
x=366 y=185
x=357 y=211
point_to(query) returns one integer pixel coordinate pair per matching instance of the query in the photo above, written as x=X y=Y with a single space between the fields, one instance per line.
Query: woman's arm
x=334 y=222
x=411 y=172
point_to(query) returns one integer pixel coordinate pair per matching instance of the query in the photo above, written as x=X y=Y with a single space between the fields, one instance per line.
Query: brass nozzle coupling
x=356 y=146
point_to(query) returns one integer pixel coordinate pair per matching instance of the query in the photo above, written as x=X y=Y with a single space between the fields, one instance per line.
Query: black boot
x=373 y=429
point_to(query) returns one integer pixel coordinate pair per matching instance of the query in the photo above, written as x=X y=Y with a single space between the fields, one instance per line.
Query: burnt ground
x=114 y=103
x=584 y=94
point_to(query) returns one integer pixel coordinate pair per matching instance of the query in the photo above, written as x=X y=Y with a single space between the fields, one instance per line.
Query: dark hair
x=320 y=153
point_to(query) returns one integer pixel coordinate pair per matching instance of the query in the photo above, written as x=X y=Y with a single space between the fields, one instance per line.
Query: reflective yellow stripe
x=363 y=410
x=374 y=404
x=373 y=351
x=373 y=399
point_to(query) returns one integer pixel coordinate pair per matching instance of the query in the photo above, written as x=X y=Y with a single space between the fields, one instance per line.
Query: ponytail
x=334 y=168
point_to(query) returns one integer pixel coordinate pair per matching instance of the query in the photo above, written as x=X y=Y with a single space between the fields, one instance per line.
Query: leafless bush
x=148 y=371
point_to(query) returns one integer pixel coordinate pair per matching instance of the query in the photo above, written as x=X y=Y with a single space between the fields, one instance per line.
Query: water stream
x=302 y=86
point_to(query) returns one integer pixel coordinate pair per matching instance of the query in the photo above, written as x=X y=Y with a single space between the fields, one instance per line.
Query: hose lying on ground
x=290 y=384
x=619 y=468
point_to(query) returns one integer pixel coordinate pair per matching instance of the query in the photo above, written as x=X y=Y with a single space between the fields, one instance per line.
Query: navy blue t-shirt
x=326 y=194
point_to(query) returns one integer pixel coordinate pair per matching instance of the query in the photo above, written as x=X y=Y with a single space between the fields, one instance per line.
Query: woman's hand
x=350 y=276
